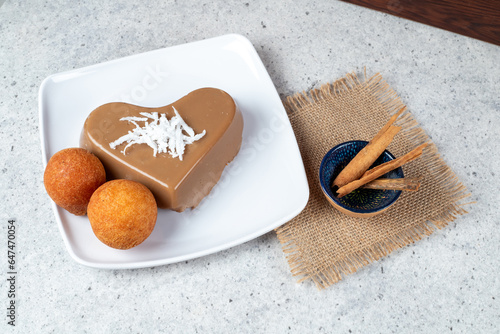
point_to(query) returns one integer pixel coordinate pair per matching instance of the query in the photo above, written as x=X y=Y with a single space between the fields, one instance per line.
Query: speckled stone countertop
x=447 y=282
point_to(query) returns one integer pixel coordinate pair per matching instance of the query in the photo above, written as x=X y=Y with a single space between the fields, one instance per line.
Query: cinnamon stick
x=389 y=123
x=367 y=156
x=414 y=151
x=380 y=170
x=405 y=183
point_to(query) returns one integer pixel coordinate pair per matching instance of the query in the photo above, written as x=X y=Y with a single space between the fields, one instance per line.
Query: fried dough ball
x=122 y=213
x=71 y=177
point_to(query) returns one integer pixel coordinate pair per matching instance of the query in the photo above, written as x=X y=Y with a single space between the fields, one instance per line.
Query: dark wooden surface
x=478 y=19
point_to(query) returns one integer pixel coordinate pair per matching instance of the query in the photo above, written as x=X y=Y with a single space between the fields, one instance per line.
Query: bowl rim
x=335 y=199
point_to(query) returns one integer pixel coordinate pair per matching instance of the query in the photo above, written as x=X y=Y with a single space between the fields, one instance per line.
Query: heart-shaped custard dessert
x=178 y=151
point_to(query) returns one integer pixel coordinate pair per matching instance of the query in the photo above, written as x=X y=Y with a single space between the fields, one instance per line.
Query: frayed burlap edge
x=375 y=85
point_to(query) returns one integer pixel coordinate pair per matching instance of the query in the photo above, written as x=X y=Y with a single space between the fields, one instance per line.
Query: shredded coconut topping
x=161 y=134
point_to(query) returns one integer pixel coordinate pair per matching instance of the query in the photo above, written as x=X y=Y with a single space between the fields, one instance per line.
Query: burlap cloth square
x=323 y=244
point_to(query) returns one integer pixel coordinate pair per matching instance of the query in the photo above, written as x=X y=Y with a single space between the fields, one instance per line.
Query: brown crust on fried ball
x=122 y=213
x=71 y=177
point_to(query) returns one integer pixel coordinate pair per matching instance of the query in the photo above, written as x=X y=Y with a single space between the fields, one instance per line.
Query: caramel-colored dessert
x=176 y=184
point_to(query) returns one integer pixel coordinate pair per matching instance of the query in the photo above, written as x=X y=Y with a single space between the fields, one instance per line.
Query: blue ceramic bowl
x=360 y=202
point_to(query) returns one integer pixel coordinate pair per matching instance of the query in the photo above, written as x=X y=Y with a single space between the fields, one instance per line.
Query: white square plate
x=263 y=188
